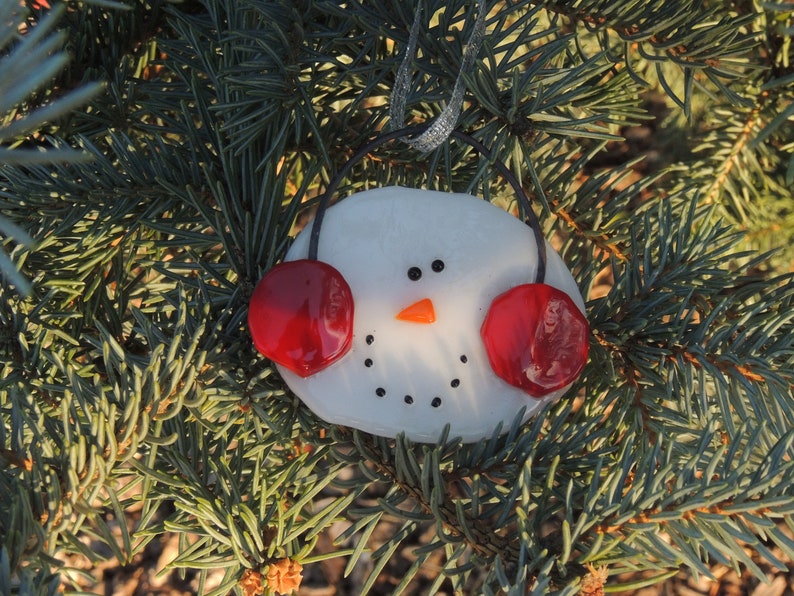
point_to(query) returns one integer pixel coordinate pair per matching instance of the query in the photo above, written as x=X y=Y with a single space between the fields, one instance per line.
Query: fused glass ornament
x=447 y=317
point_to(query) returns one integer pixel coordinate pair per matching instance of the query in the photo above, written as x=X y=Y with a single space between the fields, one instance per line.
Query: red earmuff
x=536 y=338
x=301 y=316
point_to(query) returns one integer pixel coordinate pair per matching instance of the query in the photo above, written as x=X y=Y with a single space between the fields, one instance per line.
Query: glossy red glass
x=301 y=316
x=536 y=338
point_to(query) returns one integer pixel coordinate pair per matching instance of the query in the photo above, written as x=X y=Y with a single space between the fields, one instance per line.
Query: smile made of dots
x=415 y=274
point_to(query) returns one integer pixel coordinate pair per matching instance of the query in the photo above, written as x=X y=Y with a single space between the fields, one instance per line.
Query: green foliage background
x=137 y=217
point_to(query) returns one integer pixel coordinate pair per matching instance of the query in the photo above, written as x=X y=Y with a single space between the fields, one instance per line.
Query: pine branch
x=29 y=58
x=671 y=32
x=220 y=123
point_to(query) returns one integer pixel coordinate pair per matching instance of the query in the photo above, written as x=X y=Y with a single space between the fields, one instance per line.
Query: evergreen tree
x=138 y=217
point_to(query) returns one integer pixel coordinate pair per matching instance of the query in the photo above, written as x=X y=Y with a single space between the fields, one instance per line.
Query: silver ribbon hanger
x=442 y=127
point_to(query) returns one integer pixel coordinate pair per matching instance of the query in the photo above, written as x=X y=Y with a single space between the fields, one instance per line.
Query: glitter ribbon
x=440 y=129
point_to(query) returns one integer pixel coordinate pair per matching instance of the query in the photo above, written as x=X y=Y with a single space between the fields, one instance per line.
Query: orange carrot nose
x=418 y=312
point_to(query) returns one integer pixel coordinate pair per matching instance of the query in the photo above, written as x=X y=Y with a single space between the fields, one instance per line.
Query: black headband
x=531 y=218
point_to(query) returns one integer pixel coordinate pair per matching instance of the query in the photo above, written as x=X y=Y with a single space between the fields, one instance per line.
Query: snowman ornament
x=421 y=309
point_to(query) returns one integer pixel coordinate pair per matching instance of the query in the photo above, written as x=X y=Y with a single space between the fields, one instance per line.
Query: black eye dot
x=408 y=399
x=437 y=265
x=380 y=392
x=414 y=273
x=368 y=362
x=455 y=382
x=370 y=339
x=464 y=359
x=436 y=402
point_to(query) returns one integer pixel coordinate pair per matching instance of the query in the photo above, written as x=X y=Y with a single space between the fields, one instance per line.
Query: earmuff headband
x=531 y=217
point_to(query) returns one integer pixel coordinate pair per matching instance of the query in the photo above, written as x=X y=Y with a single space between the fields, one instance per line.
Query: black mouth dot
x=436 y=402
x=370 y=339
x=464 y=359
x=455 y=383
x=380 y=392
x=368 y=362
x=437 y=265
x=408 y=399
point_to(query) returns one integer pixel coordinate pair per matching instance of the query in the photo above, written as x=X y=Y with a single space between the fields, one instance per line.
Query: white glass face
x=424 y=254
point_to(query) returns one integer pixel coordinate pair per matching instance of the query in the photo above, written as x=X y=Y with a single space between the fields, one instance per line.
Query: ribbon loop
x=442 y=127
